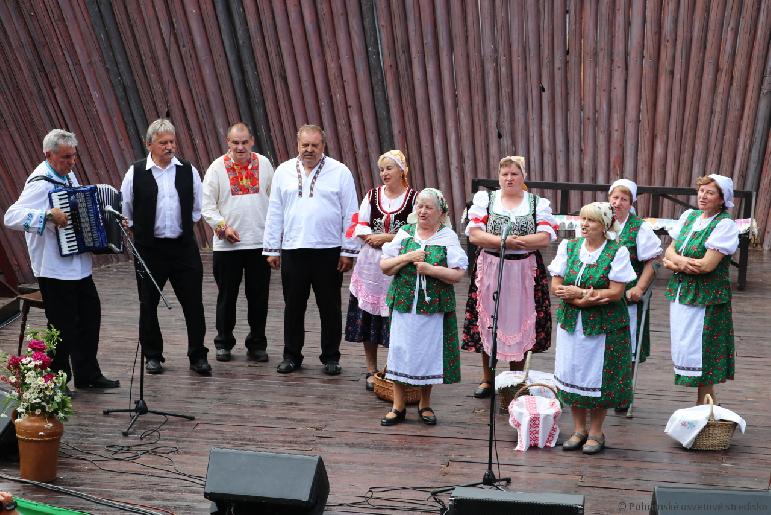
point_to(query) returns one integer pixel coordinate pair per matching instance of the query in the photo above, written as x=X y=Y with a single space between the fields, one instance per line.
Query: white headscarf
x=626 y=183
x=441 y=203
x=605 y=212
x=726 y=185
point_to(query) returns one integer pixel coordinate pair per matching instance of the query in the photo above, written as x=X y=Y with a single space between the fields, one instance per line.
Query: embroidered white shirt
x=28 y=214
x=245 y=212
x=168 y=218
x=311 y=211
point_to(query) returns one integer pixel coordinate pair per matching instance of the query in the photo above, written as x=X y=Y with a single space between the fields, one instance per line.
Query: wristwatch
x=49 y=216
x=8 y=506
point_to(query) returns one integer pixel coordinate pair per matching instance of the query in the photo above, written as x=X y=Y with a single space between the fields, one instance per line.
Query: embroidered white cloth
x=536 y=420
x=685 y=424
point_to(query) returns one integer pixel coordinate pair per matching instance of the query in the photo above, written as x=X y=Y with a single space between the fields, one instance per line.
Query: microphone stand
x=140 y=406
x=489 y=478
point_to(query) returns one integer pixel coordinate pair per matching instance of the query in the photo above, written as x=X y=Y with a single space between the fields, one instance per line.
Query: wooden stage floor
x=249 y=406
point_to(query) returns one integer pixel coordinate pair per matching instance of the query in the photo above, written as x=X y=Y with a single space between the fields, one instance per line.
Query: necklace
x=315 y=172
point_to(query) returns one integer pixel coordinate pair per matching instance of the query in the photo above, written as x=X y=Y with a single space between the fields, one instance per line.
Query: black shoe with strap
x=392 y=421
x=369 y=385
x=429 y=420
x=483 y=392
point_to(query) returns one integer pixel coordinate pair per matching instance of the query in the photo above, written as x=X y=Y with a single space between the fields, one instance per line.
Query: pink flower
x=48 y=377
x=42 y=358
x=14 y=362
x=36 y=345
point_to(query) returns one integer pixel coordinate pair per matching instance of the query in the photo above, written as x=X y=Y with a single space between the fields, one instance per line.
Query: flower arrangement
x=36 y=389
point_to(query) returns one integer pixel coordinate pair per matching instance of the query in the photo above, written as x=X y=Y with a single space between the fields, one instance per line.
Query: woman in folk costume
x=382 y=212
x=426 y=259
x=701 y=328
x=592 y=366
x=644 y=246
x=524 y=321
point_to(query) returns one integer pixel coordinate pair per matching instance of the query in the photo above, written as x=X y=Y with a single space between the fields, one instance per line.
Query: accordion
x=90 y=228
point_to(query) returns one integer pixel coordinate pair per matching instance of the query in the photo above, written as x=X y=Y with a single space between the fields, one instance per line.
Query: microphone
x=119 y=216
x=506 y=230
x=504 y=234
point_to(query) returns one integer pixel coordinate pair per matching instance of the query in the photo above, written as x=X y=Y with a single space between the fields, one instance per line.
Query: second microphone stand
x=140 y=406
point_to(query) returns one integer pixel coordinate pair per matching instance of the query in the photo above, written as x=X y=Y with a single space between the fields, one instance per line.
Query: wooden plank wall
x=660 y=92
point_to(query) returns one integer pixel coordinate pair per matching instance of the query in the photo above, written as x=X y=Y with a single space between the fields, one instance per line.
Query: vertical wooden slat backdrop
x=660 y=92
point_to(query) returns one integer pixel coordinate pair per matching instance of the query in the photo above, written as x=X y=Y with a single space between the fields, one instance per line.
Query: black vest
x=146 y=197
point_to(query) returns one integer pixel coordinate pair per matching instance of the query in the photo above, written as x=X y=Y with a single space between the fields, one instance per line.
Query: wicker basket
x=384 y=389
x=716 y=435
x=528 y=386
x=506 y=395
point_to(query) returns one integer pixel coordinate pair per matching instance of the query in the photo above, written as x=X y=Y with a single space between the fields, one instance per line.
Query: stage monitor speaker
x=668 y=500
x=248 y=482
x=8 y=446
x=474 y=501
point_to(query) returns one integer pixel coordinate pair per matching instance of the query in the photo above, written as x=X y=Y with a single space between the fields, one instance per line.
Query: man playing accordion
x=71 y=301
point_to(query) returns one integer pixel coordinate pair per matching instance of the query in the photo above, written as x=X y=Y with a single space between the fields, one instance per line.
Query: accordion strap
x=48 y=179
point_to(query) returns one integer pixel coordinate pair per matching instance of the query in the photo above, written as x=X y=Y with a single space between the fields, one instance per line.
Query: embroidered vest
x=146 y=201
x=382 y=221
x=700 y=289
x=628 y=239
x=595 y=320
x=401 y=293
x=521 y=225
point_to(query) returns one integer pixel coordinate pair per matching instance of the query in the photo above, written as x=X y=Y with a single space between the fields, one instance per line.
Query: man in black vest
x=161 y=202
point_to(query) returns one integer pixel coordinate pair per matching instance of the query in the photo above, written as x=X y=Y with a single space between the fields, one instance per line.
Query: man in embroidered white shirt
x=312 y=202
x=161 y=202
x=69 y=295
x=236 y=191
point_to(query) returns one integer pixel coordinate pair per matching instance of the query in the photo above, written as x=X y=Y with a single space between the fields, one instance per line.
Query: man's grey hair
x=58 y=138
x=159 y=126
x=312 y=128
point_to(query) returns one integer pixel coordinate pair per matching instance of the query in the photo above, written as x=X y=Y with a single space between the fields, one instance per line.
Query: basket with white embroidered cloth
x=705 y=427
x=535 y=417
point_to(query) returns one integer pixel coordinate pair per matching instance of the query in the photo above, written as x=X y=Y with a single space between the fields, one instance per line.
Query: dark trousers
x=74 y=309
x=229 y=267
x=178 y=262
x=302 y=269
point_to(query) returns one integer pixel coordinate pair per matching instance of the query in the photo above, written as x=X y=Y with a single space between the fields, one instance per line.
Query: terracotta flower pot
x=38 y=438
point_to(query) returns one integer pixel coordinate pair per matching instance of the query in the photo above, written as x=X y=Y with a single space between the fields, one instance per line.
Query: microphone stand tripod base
x=140 y=406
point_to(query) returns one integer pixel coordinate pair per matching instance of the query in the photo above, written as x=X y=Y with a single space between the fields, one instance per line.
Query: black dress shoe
x=223 y=355
x=288 y=366
x=392 y=421
x=332 y=368
x=429 y=420
x=201 y=366
x=483 y=392
x=257 y=355
x=99 y=382
x=153 y=366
